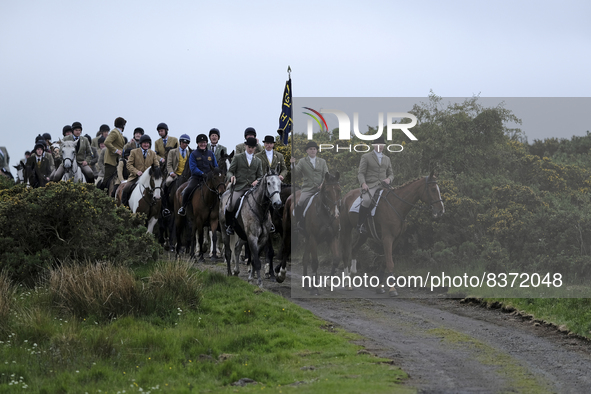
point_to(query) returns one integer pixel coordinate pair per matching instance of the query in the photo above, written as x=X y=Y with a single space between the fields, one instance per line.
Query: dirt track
x=449 y=347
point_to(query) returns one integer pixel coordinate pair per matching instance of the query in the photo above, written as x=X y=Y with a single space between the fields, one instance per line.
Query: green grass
x=235 y=332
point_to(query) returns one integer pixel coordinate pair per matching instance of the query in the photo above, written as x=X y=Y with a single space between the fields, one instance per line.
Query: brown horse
x=321 y=224
x=203 y=210
x=389 y=219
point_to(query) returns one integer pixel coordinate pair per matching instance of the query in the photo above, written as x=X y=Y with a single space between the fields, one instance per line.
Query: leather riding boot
x=165 y=210
x=229 y=222
x=125 y=196
x=299 y=212
x=363 y=214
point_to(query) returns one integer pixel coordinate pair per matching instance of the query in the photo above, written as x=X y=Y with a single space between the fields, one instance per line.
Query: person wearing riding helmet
x=47 y=138
x=165 y=143
x=135 y=141
x=67 y=130
x=250 y=132
x=312 y=169
x=202 y=162
x=114 y=144
x=139 y=161
x=83 y=154
x=100 y=165
x=214 y=145
x=39 y=163
x=271 y=159
x=103 y=132
x=244 y=172
x=122 y=171
x=178 y=158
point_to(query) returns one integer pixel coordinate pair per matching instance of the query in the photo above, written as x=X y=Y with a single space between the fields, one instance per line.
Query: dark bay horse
x=389 y=219
x=167 y=225
x=204 y=210
x=321 y=224
x=252 y=222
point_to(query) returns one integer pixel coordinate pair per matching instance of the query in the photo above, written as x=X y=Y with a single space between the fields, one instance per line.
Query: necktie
x=144 y=154
x=213 y=148
x=164 y=140
x=183 y=153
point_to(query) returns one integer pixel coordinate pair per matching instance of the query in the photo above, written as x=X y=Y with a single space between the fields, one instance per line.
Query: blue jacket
x=201 y=162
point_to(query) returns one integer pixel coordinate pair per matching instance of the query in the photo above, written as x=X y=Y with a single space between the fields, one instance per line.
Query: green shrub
x=67 y=220
x=7 y=295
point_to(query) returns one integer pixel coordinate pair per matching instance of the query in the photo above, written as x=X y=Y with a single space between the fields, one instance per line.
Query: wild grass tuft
x=102 y=290
x=7 y=296
x=172 y=285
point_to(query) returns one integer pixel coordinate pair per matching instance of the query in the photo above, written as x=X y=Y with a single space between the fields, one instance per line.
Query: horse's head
x=331 y=193
x=156 y=179
x=432 y=196
x=68 y=152
x=216 y=181
x=272 y=185
x=225 y=161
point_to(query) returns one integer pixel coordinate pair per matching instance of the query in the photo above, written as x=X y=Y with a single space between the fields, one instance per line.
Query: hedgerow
x=39 y=227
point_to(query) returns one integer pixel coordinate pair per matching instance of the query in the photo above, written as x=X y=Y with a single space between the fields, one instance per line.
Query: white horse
x=147 y=196
x=71 y=169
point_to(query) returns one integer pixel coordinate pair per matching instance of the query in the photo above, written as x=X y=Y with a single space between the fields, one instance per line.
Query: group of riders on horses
x=112 y=163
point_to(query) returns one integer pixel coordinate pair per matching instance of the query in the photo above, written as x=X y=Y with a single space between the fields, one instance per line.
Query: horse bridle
x=427 y=182
x=336 y=204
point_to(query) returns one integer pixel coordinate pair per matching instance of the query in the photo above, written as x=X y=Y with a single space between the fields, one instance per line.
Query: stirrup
x=229 y=230
x=166 y=212
x=361 y=228
x=181 y=211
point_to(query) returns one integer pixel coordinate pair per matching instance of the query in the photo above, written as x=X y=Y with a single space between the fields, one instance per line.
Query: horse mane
x=157 y=172
x=409 y=182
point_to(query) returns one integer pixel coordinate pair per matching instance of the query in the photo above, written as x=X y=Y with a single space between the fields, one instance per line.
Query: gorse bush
x=67 y=220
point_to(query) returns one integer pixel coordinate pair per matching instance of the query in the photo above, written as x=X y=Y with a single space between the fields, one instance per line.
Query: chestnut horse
x=389 y=219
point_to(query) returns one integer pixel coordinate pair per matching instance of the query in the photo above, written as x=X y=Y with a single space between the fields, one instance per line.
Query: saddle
x=372 y=205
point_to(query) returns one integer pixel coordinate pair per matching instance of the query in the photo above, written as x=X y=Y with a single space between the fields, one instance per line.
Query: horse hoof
x=236 y=273
x=279 y=279
x=380 y=290
x=393 y=292
x=267 y=276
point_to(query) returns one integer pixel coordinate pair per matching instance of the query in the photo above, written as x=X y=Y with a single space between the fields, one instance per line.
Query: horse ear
x=431 y=174
x=337 y=176
x=231 y=155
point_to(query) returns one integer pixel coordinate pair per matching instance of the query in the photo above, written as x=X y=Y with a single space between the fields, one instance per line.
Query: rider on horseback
x=312 y=169
x=201 y=161
x=245 y=171
x=83 y=154
x=214 y=146
x=139 y=161
x=39 y=165
x=374 y=168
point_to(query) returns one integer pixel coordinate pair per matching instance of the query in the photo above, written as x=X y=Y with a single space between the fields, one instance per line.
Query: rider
x=114 y=144
x=175 y=165
x=100 y=166
x=202 y=162
x=83 y=154
x=245 y=171
x=103 y=132
x=312 y=169
x=122 y=171
x=139 y=161
x=250 y=132
x=272 y=159
x=165 y=143
x=374 y=168
x=4 y=159
x=135 y=141
x=40 y=163
x=215 y=146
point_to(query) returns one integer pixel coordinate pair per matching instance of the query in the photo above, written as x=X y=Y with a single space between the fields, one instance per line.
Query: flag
x=285 y=120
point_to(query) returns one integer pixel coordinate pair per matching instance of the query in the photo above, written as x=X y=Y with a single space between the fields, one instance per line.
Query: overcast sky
x=197 y=65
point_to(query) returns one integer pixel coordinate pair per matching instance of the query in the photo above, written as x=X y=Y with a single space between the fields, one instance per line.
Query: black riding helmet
x=145 y=138
x=47 y=136
x=138 y=130
x=201 y=138
x=250 y=131
x=67 y=129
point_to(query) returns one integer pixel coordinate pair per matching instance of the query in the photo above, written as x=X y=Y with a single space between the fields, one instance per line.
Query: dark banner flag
x=285 y=120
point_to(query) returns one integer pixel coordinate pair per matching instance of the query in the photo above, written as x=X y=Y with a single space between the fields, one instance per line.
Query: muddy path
x=451 y=347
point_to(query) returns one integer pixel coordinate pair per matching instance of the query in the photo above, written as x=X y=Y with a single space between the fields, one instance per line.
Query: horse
x=252 y=222
x=146 y=195
x=391 y=211
x=321 y=224
x=204 y=210
x=169 y=225
x=71 y=169
x=215 y=247
x=20 y=172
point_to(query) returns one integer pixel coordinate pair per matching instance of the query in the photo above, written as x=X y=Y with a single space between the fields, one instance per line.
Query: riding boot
x=165 y=210
x=125 y=196
x=299 y=212
x=363 y=214
x=186 y=193
x=229 y=222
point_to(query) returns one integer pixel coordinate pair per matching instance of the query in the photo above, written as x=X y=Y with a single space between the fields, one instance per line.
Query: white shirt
x=379 y=155
x=249 y=157
x=269 y=155
x=313 y=161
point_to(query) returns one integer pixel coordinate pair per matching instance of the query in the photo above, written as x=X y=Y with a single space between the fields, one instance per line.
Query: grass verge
x=234 y=332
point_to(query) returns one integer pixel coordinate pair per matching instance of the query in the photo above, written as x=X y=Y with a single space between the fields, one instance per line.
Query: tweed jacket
x=132 y=145
x=136 y=162
x=113 y=142
x=4 y=158
x=95 y=143
x=84 y=152
x=219 y=148
x=278 y=162
x=245 y=174
x=44 y=167
x=312 y=176
x=174 y=156
x=171 y=142
x=100 y=166
x=372 y=172
x=241 y=148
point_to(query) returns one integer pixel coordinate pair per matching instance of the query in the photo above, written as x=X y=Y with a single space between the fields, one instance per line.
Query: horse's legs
x=255 y=259
x=151 y=223
x=387 y=242
x=269 y=254
x=237 y=242
x=313 y=245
